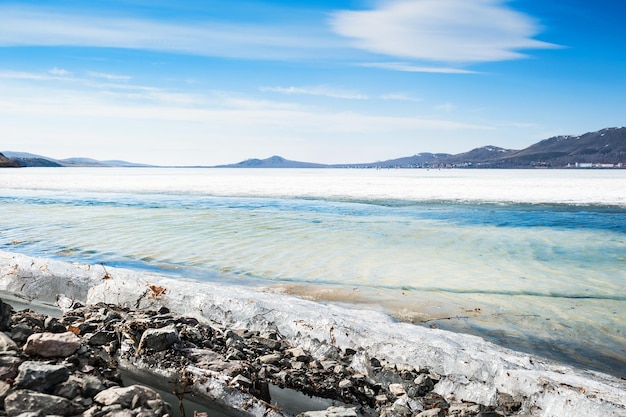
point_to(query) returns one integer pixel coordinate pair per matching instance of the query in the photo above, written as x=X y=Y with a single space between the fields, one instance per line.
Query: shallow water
x=532 y=259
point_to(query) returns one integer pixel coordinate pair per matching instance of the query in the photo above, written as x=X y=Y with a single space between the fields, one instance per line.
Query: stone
x=159 y=339
x=40 y=377
x=51 y=345
x=424 y=384
x=332 y=412
x=9 y=363
x=52 y=325
x=5 y=316
x=345 y=384
x=20 y=332
x=298 y=354
x=271 y=358
x=24 y=401
x=507 y=403
x=7 y=344
x=464 y=410
x=102 y=338
x=4 y=391
x=397 y=389
x=433 y=412
x=128 y=397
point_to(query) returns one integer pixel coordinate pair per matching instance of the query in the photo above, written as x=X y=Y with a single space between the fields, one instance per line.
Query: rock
x=24 y=401
x=20 y=332
x=159 y=339
x=40 y=376
x=5 y=316
x=128 y=397
x=397 y=389
x=51 y=345
x=52 y=325
x=464 y=410
x=424 y=384
x=102 y=338
x=8 y=365
x=272 y=358
x=433 y=412
x=7 y=344
x=298 y=354
x=507 y=403
x=332 y=412
x=345 y=384
x=4 y=391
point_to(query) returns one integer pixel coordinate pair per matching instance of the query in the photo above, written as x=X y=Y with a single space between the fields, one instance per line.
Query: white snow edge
x=472 y=368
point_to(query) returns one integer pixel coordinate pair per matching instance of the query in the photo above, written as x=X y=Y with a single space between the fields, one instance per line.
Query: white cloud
x=110 y=77
x=317 y=91
x=59 y=72
x=459 y=31
x=27 y=26
x=401 y=66
x=399 y=97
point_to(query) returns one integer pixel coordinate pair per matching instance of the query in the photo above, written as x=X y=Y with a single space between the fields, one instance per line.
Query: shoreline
x=472 y=369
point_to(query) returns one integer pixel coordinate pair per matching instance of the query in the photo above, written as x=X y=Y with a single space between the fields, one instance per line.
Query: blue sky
x=213 y=81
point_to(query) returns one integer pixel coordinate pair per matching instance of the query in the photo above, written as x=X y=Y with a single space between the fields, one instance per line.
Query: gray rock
x=298 y=354
x=7 y=344
x=8 y=365
x=271 y=358
x=52 y=325
x=4 y=391
x=5 y=316
x=159 y=339
x=464 y=410
x=424 y=384
x=24 y=401
x=51 y=345
x=20 y=332
x=102 y=338
x=40 y=377
x=128 y=397
x=332 y=412
x=433 y=412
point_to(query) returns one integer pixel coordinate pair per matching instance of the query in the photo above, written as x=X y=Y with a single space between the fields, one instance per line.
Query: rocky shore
x=74 y=365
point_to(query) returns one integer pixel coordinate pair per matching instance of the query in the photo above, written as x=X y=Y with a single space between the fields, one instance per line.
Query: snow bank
x=472 y=369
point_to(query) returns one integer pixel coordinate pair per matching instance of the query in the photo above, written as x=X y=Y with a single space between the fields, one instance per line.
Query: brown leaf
x=156 y=291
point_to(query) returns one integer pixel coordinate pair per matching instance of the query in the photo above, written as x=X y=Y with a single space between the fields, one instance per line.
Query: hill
x=7 y=163
x=606 y=146
x=25 y=159
x=272 y=162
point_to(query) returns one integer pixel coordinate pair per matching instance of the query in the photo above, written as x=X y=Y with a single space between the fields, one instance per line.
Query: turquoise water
x=539 y=268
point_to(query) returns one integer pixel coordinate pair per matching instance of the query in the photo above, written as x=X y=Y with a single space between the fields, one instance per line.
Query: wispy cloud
x=399 y=97
x=59 y=72
x=27 y=26
x=110 y=77
x=453 y=31
x=401 y=66
x=317 y=91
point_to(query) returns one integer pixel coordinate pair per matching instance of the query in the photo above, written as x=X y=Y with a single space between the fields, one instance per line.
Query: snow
x=472 y=369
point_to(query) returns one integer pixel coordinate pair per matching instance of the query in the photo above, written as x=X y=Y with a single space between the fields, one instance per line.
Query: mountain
x=26 y=159
x=272 y=162
x=7 y=163
x=606 y=146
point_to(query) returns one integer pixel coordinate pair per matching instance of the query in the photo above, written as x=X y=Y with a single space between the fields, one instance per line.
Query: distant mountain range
x=605 y=148
x=25 y=159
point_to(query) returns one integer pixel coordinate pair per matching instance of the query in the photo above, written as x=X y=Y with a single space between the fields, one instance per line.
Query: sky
x=207 y=82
